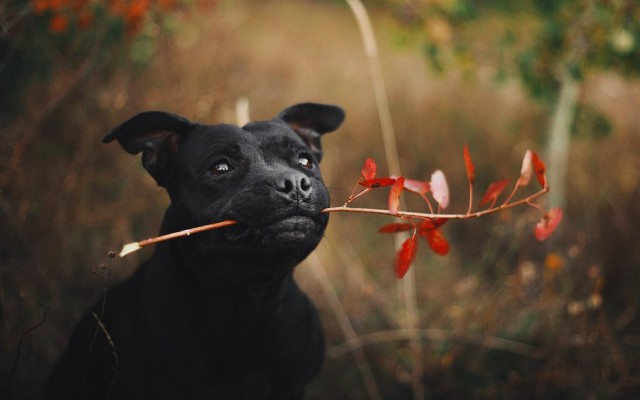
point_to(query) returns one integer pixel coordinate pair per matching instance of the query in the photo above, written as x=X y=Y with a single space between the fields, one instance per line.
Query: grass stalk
x=434 y=334
x=393 y=163
x=345 y=325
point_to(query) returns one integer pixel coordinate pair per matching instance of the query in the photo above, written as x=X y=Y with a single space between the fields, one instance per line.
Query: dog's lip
x=243 y=229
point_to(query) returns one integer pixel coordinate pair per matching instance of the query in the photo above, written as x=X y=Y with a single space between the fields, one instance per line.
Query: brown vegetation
x=501 y=317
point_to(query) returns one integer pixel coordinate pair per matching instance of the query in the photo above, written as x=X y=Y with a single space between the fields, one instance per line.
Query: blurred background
x=503 y=316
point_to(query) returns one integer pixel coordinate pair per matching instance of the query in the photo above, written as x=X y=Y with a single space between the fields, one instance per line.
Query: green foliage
x=591 y=123
x=533 y=74
x=567 y=35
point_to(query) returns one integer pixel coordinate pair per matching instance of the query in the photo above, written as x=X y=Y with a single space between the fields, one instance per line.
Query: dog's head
x=264 y=175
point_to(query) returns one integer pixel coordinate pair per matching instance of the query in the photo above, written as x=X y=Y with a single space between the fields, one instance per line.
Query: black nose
x=294 y=185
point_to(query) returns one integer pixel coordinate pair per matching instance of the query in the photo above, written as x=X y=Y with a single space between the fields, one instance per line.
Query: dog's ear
x=311 y=120
x=157 y=135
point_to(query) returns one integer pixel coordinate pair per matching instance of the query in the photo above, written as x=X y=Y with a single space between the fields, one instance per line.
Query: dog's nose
x=294 y=185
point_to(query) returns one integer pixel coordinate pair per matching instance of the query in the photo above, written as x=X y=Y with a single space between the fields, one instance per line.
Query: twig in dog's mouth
x=135 y=246
x=132 y=247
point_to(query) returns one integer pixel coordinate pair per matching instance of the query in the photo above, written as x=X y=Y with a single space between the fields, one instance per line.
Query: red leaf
x=493 y=191
x=369 y=169
x=59 y=23
x=548 y=224
x=431 y=224
x=395 y=228
x=468 y=164
x=539 y=168
x=378 y=182
x=394 y=195
x=85 y=19
x=436 y=240
x=405 y=256
x=137 y=10
x=40 y=6
x=414 y=186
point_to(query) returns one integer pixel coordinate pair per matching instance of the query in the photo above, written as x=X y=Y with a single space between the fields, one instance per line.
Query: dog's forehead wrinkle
x=221 y=140
x=220 y=134
x=272 y=132
x=282 y=148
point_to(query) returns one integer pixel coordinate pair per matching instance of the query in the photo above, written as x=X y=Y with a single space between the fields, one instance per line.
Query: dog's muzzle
x=291 y=231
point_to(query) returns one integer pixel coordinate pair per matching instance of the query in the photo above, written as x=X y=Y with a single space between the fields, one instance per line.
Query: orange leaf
x=378 y=182
x=436 y=240
x=40 y=6
x=539 y=168
x=136 y=11
x=548 y=224
x=369 y=169
x=59 y=23
x=395 y=228
x=394 y=195
x=414 y=186
x=405 y=256
x=468 y=164
x=493 y=191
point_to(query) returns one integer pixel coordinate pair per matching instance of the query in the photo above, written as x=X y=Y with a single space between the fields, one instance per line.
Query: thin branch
x=470 y=198
x=105 y=290
x=131 y=247
x=426 y=199
x=355 y=195
x=14 y=367
x=116 y=363
x=513 y=192
x=408 y=214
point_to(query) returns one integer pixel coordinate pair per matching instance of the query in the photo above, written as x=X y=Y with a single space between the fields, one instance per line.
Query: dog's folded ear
x=310 y=121
x=157 y=135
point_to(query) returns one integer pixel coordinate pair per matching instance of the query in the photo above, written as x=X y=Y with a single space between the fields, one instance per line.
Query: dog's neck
x=210 y=311
x=250 y=286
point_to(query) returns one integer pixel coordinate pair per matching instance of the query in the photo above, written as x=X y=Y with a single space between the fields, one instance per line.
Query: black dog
x=214 y=315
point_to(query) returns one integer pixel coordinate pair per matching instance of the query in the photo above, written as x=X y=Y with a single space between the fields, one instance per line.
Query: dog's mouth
x=283 y=232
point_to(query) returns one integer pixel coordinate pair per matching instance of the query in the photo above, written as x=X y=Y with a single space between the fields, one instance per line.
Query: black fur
x=214 y=315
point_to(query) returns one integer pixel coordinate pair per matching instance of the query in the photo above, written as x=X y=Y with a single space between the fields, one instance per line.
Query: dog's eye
x=220 y=168
x=305 y=161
